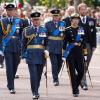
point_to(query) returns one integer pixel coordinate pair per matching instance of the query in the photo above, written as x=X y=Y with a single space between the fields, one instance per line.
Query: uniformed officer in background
x=73 y=52
x=55 y=29
x=34 y=45
x=90 y=25
x=11 y=30
x=27 y=21
x=1 y=47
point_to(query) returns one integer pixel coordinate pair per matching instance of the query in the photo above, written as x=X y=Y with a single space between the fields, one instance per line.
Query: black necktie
x=35 y=29
x=30 y=23
x=56 y=24
x=10 y=20
x=83 y=19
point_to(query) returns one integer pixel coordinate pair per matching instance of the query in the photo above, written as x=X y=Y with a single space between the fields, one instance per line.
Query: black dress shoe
x=85 y=87
x=36 y=97
x=56 y=83
x=77 y=91
x=16 y=76
x=75 y=95
x=2 y=65
x=12 y=91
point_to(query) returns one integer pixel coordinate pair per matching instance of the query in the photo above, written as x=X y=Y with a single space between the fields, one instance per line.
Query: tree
x=53 y=3
x=32 y=2
x=6 y=1
x=58 y=3
x=96 y=2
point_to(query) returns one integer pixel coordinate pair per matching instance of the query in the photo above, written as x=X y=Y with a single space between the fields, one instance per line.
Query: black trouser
x=56 y=63
x=75 y=61
x=89 y=56
x=1 y=60
x=35 y=71
x=12 y=60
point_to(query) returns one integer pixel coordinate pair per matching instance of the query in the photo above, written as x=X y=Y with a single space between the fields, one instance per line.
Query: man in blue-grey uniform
x=11 y=30
x=55 y=29
x=33 y=48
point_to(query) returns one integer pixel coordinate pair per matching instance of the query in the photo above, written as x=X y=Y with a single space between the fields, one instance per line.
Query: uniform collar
x=11 y=19
x=36 y=27
x=55 y=22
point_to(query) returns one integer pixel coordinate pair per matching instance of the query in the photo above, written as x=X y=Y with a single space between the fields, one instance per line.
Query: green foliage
x=6 y=1
x=53 y=3
x=96 y=2
x=56 y=3
x=32 y=2
x=89 y=2
x=0 y=1
x=21 y=1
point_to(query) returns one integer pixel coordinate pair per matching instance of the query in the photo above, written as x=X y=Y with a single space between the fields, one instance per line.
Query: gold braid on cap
x=5 y=32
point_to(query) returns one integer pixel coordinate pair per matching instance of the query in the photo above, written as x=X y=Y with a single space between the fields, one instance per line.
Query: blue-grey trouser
x=12 y=60
x=35 y=71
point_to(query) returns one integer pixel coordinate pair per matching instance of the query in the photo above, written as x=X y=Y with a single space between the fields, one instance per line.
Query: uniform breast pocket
x=42 y=35
x=91 y=23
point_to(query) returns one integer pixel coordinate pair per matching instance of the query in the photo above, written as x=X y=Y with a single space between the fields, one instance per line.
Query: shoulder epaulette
x=42 y=26
x=27 y=27
x=62 y=21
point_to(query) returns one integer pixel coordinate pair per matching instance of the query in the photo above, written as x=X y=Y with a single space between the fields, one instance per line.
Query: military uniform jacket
x=70 y=37
x=32 y=38
x=67 y=21
x=26 y=23
x=0 y=37
x=90 y=26
x=1 y=42
x=14 y=43
x=54 y=46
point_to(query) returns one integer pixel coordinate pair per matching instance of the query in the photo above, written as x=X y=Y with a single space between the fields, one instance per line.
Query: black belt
x=76 y=44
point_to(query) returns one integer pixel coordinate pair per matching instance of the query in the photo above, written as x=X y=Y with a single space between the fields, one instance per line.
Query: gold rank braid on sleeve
x=5 y=32
x=29 y=37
